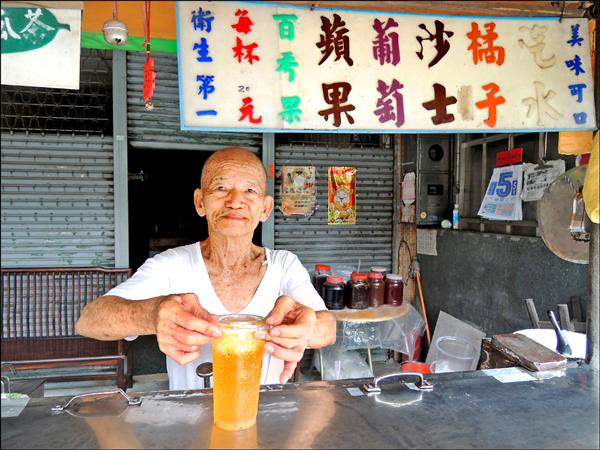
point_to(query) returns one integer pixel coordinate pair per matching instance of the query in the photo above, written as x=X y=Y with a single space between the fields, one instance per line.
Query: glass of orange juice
x=237 y=364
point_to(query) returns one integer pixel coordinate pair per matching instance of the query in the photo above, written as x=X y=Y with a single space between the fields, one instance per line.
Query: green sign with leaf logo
x=25 y=29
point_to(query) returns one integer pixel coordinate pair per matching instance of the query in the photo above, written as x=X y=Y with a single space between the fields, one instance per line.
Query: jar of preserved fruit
x=348 y=290
x=376 y=289
x=378 y=269
x=322 y=271
x=333 y=292
x=359 y=291
x=394 y=289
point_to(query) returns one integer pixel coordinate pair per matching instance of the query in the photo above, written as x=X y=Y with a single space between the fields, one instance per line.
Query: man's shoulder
x=184 y=253
x=282 y=258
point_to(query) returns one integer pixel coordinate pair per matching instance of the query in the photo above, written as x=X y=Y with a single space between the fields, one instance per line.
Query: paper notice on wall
x=408 y=189
x=536 y=180
x=408 y=213
x=427 y=241
x=502 y=199
x=298 y=191
x=407 y=206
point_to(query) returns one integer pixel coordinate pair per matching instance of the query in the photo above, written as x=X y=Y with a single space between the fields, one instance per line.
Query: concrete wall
x=484 y=278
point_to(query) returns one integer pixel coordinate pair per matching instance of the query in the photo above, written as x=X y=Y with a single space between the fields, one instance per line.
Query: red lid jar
x=394 y=289
x=358 y=291
x=333 y=292
x=376 y=289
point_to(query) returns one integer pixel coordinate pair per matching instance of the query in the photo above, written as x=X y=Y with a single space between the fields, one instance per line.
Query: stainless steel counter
x=464 y=410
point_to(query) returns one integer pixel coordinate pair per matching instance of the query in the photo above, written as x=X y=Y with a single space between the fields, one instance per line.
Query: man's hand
x=183 y=327
x=293 y=326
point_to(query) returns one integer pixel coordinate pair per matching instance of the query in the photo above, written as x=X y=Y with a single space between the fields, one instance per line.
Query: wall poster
x=502 y=200
x=298 y=191
x=256 y=66
x=341 y=190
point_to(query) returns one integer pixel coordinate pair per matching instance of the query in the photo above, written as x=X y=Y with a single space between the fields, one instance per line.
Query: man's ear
x=268 y=203
x=198 y=202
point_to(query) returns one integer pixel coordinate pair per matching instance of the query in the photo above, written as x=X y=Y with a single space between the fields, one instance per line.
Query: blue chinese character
x=203 y=20
x=206 y=87
x=575 y=65
x=202 y=49
x=577 y=89
x=580 y=118
x=206 y=112
x=575 y=39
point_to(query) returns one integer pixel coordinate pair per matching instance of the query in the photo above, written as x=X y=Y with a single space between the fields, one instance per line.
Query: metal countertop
x=464 y=410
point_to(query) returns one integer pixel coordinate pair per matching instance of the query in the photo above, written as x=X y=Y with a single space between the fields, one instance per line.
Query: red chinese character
x=247 y=111
x=244 y=23
x=490 y=102
x=240 y=48
x=490 y=52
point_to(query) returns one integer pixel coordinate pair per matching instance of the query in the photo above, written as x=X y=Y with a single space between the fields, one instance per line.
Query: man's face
x=233 y=194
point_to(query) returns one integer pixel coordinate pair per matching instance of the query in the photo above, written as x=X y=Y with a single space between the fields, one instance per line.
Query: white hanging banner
x=502 y=199
x=260 y=67
x=41 y=47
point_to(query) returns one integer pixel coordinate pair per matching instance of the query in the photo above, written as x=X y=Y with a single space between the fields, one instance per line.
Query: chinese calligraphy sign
x=246 y=66
x=40 y=47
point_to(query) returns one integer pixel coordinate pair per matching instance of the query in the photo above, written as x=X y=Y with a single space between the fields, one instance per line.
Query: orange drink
x=237 y=363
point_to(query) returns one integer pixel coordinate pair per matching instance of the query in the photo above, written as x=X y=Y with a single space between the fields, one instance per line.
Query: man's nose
x=234 y=199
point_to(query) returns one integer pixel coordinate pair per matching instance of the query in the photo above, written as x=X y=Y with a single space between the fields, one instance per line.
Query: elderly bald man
x=178 y=294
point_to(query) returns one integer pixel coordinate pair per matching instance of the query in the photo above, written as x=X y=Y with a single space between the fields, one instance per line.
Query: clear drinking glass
x=237 y=364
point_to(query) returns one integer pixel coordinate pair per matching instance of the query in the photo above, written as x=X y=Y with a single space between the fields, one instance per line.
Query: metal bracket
x=374 y=389
x=131 y=401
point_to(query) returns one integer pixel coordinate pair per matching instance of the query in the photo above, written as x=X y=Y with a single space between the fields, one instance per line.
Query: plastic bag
x=399 y=334
x=342 y=364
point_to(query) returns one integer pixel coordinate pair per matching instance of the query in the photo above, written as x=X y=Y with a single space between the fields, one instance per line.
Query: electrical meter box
x=429 y=155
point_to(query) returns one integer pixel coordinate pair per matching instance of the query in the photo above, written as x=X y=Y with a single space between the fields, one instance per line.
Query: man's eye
x=219 y=188
x=252 y=191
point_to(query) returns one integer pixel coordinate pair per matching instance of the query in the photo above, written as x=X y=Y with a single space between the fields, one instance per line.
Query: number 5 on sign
x=502 y=199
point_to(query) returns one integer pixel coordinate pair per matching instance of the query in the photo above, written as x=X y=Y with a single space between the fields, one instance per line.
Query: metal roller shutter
x=312 y=239
x=57 y=202
x=160 y=128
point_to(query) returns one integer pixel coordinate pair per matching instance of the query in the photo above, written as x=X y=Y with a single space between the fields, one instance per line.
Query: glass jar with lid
x=348 y=289
x=394 y=289
x=376 y=289
x=322 y=271
x=378 y=269
x=333 y=292
x=358 y=291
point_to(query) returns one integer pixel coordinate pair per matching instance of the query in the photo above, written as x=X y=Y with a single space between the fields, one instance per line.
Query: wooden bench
x=40 y=307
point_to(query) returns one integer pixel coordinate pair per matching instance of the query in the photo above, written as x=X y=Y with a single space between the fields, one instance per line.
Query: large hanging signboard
x=266 y=67
x=41 y=47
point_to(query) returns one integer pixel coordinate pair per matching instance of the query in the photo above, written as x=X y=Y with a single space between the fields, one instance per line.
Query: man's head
x=233 y=192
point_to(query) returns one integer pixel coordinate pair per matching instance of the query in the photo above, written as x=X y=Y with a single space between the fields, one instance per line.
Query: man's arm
x=181 y=325
x=109 y=318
